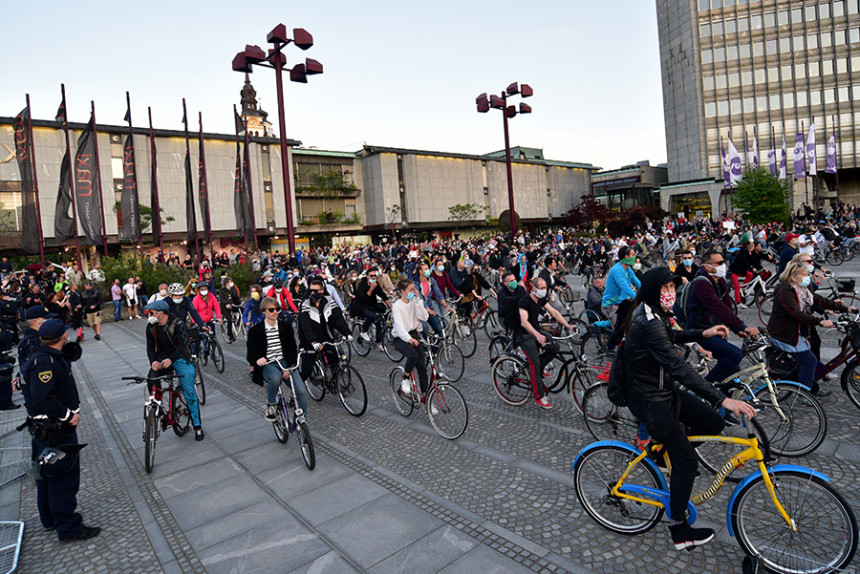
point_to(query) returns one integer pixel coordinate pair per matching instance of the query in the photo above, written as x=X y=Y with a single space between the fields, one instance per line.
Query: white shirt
x=273 y=342
x=809 y=249
x=408 y=317
x=130 y=291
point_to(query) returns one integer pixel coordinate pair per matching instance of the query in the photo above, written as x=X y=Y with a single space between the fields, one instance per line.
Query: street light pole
x=511 y=211
x=278 y=62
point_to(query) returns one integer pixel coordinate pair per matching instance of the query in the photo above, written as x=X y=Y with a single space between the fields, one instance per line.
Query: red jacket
x=208 y=309
x=284 y=300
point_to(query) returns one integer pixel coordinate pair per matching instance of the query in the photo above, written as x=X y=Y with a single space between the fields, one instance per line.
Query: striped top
x=273 y=343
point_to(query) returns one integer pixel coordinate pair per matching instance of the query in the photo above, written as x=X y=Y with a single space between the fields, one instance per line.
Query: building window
x=815 y=97
x=743 y=24
x=784 y=45
x=728 y=3
x=829 y=96
x=824 y=11
x=812 y=41
x=734 y=80
x=841 y=65
x=771 y=47
x=810 y=13
x=758 y=49
x=704 y=5
x=10 y=206
x=707 y=56
x=813 y=70
x=839 y=38
x=788 y=99
x=708 y=83
x=736 y=106
x=827 y=68
x=710 y=110
x=854 y=35
x=749 y=105
x=801 y=99
x=843 y=94
x=799 y=71
x=723 y=107
x=796 y=16
x=719 y=54
x=746 y=78
x=755 y=21
x=774 y=102
x=783 y=17
x=852 y=6
x=761 y=103
x=721 y=81
x=855 y=64
x=760 y=76
x=786 y=73
x=745 y=51
x=798 y=43
x=773 y=74
x=705 y=30
x=769 y=20
x=838 y=9
x=826 y=40
x=732 y=53
x=717 y=28
x=731 y=27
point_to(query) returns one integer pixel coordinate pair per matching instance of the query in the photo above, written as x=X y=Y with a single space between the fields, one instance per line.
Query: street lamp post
x=484 y=103
x=275 y=59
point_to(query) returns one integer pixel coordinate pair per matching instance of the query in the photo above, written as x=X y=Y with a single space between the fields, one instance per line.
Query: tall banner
x=754 y=162
x=771 y=156
x=735 y=169
x=238 y=195
x=129 y=204
x=153 y=195
x=29 y=217
x=799 y=158
x=248 y=191
x=64 y=224
x=831 y=154
x=190 y=216
x=87 y=187
x=783 y=161
x=810 y=151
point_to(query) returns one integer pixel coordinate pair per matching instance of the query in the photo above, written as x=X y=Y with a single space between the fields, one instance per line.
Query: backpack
x=616 y=385
x=682 y=298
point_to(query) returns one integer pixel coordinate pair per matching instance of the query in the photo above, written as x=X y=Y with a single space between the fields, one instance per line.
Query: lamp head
x=483 y=103
x=511 y=111
x=278 y=35
x=497 y=102
x=526 y=90
x=525 y=108
x=241 y=64
x=302 y=38
x=313 y=67
x=513 y=89
x=299 y=74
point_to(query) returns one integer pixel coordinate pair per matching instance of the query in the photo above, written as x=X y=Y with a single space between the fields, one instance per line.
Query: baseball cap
x=38 y=312
x=791 y=236
x=52 y=329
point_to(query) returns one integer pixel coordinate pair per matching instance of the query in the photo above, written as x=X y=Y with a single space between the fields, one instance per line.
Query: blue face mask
x=688 y=262
x=426 y=273
x=411 y=295
x=805 y=281
x=440 y=268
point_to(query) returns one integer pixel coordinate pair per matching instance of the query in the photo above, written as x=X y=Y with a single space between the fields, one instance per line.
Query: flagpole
x=240 y=176
x=99 y=178
x=204 y=184
x=248 y=182
x=188 y=154
x=156 y=208
x=35 y=182
x=71 y=179
x=131 y=137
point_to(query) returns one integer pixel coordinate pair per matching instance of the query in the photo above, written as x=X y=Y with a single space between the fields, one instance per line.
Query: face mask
x=440 y=268
x=688 y=262
x=541 y=293
x=692 y=252
x=163 y=292
x=637 y=266
x=720 y=271
x=255 y=295
x=152 y=319
x=805 y=281
x=204 y=292
x=667 y=300
x=316 y=297
x=809 y=268
x=410 y=296
x=629 y=260
x=371 y=281
x=426 y=273
x=512 y=285
x=177 y=300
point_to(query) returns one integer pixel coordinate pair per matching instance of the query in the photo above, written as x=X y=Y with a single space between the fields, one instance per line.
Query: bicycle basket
x=193 y=334
x=845 y=285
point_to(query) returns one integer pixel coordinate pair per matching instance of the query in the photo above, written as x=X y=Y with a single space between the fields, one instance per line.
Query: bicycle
x=753 y=292
x=156 y=417
x=345 y=381
x=235 y=317
x=445 y=406
x=289 y=417
x=512 y=378
x=362 y=347
x=448 y=358
x=460 y=332
x=210 y=347
x=484 y=317
x=785 y=517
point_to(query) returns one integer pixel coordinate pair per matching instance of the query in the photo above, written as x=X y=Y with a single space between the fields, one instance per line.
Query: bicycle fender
x=757 y=474
x=626 y=446
x=782 y=382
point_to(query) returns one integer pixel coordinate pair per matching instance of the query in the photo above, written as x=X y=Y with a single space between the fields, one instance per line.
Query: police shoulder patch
x=46 y=376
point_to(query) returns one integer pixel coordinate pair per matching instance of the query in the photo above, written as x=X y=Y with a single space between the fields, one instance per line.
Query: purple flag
x=831 y=154
x=810 y=151
x=799 y=157
x=783 y=161
x=771 y=158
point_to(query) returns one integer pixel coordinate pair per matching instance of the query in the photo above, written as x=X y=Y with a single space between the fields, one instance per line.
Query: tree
x=331 y=184
x=466 y=212
x=762 y=197
x=392 y=215
x=146 y=216
x=589 y=213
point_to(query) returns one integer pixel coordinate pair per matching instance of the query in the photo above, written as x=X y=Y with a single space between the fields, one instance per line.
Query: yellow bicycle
x=788 y=518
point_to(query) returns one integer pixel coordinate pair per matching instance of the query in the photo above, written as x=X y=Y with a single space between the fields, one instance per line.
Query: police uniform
x=51 y=392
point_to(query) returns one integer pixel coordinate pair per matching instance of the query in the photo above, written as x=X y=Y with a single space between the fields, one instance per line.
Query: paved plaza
x=387 y=495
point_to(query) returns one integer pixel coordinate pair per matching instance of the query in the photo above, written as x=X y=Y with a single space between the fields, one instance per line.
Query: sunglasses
x=272 y=310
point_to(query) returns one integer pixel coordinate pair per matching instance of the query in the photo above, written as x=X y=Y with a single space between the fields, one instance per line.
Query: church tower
x=258 y=124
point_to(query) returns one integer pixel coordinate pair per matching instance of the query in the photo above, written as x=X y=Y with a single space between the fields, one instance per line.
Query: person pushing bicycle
x=319 y=318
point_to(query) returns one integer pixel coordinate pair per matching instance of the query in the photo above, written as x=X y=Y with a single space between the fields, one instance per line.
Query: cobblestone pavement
x=500 y=498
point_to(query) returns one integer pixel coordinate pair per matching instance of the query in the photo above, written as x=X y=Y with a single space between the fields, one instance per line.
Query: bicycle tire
x=180 y=414
x=465 y=338
x=497 y=346
x=604 y=420
x=217 y=355
x=851 y=383
x=451 y=415
x=511 y=380
x=199 y=386
x=847 y=254
x=578 y=383
x=567 y=294
x=279 y=425
x=306 y=444
x=344 y=349
x=150 y=436
x=491 y=323
x=360 y=346
x=765 y=310
x=402 y=402
x=601 y=467
x=824 y=522
x=317 y=379
x=388 y=346
x=835 y=258
x=806 y=426
x=351 y=390
x=593 y=344
x=450 y=363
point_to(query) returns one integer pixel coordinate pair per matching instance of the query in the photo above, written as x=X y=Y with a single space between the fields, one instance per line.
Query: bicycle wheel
x=282 y=432
x=604 y=420
x=351 y=391
x=511 y=380
x=825 y=536
x=447 y=411
x=593 y=344
x=491 y=324
x=307 y=445
x=217 y=355
x=847 y=254
x=497 y=346
x=594 y=475
x=388 y=346
x=150 y=435
x=851 y=383
x=567 y=294
x=359 y=345
x=180 y=414
x=199 y=385
x=403 y=402
x=765 y=309
x=806 y=427
x=464 y=337
x=578 y=383
x=316 y=381
x=450 y=363
x=835 y=257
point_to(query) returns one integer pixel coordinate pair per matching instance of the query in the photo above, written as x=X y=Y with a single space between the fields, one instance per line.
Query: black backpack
x=616 y=387
x=682 y=298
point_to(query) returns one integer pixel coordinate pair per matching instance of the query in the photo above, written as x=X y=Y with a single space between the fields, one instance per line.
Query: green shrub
x=242 y=275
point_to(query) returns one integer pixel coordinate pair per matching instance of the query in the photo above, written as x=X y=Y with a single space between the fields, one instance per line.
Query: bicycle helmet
x=176 y=289
x=277 y=282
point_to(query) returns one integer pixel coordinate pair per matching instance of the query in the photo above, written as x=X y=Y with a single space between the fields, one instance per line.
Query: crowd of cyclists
x=667 y=284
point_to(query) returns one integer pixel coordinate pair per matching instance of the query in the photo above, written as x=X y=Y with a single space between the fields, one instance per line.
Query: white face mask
x=637 y=266
x=541 y=293
x=177 y=300
x=204 y=292
x=152 y=319
x=163 y=292
x=720 y=271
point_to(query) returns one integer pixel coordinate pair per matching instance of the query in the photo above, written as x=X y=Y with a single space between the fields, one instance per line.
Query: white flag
x=755 y=153
x=735 y=169
x=810 y=151
x=783 y=161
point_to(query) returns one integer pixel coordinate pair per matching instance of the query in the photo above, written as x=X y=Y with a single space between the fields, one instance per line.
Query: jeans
x=56 y=498
x=806 y=366
x=371 y=316
x=728 y=358
x=117 y=310
x=185 y=370
x=414 y=359
x=663 y=419
x=435 y=323
x=142 y=300
x=273 y=375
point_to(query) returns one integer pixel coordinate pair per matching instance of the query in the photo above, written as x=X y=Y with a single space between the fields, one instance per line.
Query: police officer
x=30 y=342
x=52 y=401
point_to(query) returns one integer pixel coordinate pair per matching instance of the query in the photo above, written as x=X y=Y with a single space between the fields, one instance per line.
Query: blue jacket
x=182 y=310
x=785 y=255
x=251 y=312
x=435 y=293
x=618 y=285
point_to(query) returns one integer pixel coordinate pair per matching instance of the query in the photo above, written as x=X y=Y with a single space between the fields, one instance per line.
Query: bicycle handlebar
x=138 y=380
x=278 y=362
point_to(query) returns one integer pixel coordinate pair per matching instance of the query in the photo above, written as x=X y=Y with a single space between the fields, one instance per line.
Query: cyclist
x=431 y=296
x=530 y=339
x=251 y=313
x=272 y=346
x=319 y=318
x=686 y=267
x=620 y=285
x=744 y=265
x=509 y=297
x=231 y=302
x=369 y=304
x=277 y=291
x=167 y=348
x=183 y=306
x=407 y=314
x=654 y=399
x=470 y=287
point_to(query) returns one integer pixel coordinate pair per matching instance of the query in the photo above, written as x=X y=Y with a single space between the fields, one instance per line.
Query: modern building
x=761 y=70
x=629 y=186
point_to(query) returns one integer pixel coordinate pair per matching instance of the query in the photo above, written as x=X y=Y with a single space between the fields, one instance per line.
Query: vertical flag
x=30 y=236
x=129 y=205
x=771 y=155
x=810 y=151
x=204 y=190
x=755 y=151
x=190 y=216
x=87 y=187
x=248 y=187
x=783 y=161
x=831 y=153
x=64 y=224
x=725 y=166
x=799 y=157
x=735 y=169
x=153 y=197
x=238 y=188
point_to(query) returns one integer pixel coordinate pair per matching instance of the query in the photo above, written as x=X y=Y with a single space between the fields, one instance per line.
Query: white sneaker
x=271 y=412
x=742 y=306
x=365 y=337
x=406 y=386
x=433 y=410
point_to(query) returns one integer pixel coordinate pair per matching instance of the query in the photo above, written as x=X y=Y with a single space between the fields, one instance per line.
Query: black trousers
x=665 y=421
x=57 y=497
x=415 y=358
x=309 y=360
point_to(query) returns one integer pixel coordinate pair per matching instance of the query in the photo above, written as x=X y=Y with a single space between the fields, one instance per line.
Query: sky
x=397 y=74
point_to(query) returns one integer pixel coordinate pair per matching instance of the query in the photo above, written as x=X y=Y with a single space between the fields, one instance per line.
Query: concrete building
x=629 y=186
x=737 y=68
